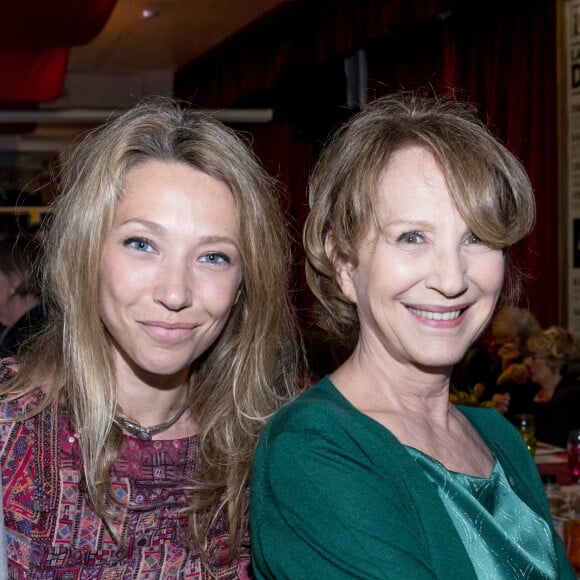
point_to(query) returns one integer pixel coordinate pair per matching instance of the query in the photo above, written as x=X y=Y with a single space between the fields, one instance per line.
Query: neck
x=150 y=405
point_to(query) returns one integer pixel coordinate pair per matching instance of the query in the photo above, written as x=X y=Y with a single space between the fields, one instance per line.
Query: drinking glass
x=526 y=425
x=573 y=449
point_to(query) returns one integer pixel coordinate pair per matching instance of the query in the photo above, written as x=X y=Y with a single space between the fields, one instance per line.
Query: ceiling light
x=150 y=11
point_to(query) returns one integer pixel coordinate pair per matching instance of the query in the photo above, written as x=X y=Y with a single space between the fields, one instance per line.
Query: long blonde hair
x=250 y=370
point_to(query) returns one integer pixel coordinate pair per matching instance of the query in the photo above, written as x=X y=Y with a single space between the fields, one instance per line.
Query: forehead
x=412 y=186
x=178 y=196
x=165 y=177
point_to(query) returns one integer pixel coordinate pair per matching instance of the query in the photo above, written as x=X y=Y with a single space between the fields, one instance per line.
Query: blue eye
x=140 y=244
x=472 y=239
x=216 y=258
x=410 y=238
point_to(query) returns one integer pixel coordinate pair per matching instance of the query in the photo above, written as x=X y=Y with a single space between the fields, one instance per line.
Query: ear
x=343 y=270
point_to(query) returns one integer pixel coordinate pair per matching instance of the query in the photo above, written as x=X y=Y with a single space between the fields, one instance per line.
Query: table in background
x=552 y=460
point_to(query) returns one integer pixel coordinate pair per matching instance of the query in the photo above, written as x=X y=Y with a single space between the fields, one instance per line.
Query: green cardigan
x=336 y=496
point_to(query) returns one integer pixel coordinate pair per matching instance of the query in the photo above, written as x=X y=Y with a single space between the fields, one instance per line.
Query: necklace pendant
x=145 y=435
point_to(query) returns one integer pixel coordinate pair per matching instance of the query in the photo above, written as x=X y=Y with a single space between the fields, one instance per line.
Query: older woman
x=128 y=431
x=372 y=473
x=554 y=365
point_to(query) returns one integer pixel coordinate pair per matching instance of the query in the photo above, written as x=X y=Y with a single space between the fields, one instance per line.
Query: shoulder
x=570 y=383
x=8 y=369
x=321 y=422
x=317 y=408
x=12 y=404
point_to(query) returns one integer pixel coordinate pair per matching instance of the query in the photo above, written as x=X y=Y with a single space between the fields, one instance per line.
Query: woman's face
x=170 y=268
x=425 y=286
x=541 y=372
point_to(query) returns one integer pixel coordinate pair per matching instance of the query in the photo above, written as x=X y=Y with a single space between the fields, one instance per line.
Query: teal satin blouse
x=502 y=535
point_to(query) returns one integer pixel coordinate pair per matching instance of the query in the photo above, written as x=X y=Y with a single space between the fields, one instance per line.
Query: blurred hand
x=508 y=353
x=514 y=373
x=501 y=402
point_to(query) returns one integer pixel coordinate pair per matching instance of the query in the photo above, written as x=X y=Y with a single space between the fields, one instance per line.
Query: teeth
x=436 y=315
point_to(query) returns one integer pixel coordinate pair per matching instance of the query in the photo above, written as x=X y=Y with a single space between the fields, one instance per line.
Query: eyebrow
x=143 y=222
x=207 y=239
x=218 y=239
x=410 y=222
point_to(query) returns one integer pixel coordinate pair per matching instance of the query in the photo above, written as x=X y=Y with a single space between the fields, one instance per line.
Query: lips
x=169 y=331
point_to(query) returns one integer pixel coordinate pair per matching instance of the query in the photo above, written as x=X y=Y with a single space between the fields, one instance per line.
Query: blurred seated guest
x=128 y=429
x=497 y=372
x=371 y=473
x=21 y=311
x=554 y=364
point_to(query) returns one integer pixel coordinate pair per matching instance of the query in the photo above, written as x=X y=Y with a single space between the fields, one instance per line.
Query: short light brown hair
x=487 y=184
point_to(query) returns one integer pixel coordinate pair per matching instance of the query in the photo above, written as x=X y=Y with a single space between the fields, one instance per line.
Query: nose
x=174 y=284
x=447 y=273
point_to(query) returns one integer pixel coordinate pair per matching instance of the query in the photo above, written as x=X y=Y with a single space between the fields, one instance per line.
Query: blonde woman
x=554 y=366
x=128 y=430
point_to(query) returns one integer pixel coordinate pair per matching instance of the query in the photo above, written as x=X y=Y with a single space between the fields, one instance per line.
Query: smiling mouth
x=430 y=315
x=171 y=332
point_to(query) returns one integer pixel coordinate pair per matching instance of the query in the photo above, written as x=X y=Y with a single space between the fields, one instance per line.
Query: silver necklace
x=146 y=433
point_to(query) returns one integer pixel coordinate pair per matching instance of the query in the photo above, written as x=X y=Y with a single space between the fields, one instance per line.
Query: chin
x=439 y=361
x=164 y=368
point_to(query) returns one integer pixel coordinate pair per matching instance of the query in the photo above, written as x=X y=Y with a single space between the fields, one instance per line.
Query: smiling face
x=425 y=286
x=170 y=268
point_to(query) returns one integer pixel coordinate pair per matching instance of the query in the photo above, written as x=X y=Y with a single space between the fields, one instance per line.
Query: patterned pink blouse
x=52 y=531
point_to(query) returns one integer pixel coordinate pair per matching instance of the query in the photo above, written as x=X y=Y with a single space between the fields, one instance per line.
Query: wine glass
x=573 y=449
x=526 y=425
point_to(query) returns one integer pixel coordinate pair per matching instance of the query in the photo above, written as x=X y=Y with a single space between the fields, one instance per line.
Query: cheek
x=115 y=288
x=490 y=272
x=218 y=299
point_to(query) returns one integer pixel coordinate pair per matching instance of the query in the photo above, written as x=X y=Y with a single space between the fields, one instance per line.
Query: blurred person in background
x=21 y=311
x=496 y=372
x=553 y=362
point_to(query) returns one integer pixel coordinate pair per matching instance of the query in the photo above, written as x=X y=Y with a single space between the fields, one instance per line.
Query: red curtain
x=501 y=55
